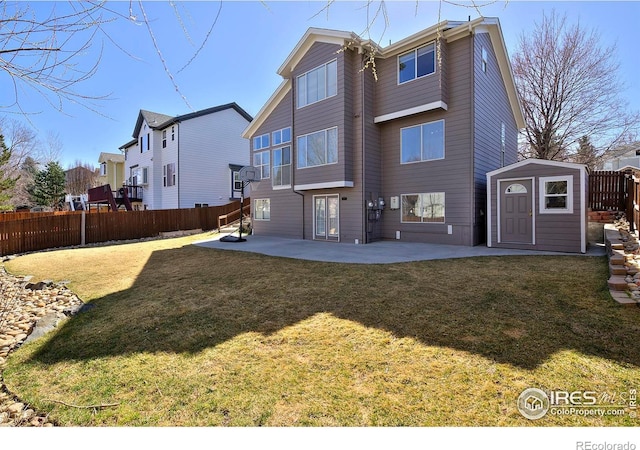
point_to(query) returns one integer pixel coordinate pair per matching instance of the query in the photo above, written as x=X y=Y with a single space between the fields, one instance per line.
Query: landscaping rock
x=38 y=308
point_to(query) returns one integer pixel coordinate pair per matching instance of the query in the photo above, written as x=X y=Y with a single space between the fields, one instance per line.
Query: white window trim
x=542 y=205
x=318 y=165
x=444 y=143
x=415 y=50
x=273 y=133
x=444 y=217
x=273 y=166
x=258 y=200
x=259 y=166
x=143 y=171
x=309 y=71
x=484 y=60
x=260 y=137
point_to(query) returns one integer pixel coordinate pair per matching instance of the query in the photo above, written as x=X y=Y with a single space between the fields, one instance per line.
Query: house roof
x=115 y=157
x=158 y=121
x=131 y=143
x=542 y=162
x=449 y=30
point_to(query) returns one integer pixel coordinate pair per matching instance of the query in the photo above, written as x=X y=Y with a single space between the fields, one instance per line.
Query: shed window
x=515 y=188
x=556 y=195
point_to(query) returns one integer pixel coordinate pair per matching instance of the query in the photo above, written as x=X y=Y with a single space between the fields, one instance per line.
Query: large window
x=262 y=209
x=317 y=149
x=169 y=174
x=281 y=136
x=282 y=167
x=260 y=142
x=318 y=84
x=557 y=195
x=262 y=162
x=422 y=142
x=423 y=208
x=417 y=63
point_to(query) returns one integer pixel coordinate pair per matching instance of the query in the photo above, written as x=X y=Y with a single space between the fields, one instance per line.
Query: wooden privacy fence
x=66 y=229
x=608 y=190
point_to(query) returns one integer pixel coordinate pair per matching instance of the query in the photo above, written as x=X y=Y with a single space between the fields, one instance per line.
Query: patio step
x=623 y=298
x=617 y=283
x=618 y=270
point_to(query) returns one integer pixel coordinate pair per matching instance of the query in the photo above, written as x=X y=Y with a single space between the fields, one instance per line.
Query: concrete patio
x=381 y=252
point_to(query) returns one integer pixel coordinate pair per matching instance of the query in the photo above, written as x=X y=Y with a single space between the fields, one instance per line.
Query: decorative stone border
x=28 y=310
x=623 y=250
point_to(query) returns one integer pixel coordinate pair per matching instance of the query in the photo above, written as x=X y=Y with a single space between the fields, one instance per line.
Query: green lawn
x=189 y=336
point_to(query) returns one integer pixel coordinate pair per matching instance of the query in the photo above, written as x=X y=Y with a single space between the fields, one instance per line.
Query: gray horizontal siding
x=553 y=232
x=327 y=113
x=451 y=175
x=392 y=97
x=286 y=215
x=492 y=109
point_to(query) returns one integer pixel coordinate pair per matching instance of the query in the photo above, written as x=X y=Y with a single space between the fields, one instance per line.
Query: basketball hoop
x=247 y=174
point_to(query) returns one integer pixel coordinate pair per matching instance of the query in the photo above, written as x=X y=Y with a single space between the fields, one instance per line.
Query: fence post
x=83 y=229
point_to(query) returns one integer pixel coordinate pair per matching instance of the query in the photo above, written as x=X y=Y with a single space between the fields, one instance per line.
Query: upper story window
x=173 y=133
x=169 y=174
x=281 y=136
x=485 y=58
x=164 y=138
x=262 y=162
x=281 y=167
x=317 y=149
x=144 y=143
x=318 y=84
x=417 y=63
x=260 y=142
x=422 y=142
x=503 y=144
x=103 y=168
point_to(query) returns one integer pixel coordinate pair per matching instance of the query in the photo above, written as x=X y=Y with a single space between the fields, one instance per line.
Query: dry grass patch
x=198 y=337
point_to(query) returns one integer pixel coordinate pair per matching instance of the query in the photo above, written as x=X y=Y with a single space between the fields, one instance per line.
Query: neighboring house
x=624 y=157
x=187 y=161
x=78 y=180
x=345 y=157
x=111 y=169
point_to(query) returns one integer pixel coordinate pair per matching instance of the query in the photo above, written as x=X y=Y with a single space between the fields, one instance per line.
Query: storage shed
x=537 y=204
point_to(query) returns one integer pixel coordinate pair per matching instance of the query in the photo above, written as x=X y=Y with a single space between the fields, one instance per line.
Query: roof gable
x=448 y=30
x=540 y=162
x=159 y=121
x=115 y=157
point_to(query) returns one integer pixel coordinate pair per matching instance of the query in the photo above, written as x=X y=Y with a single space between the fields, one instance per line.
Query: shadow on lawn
x=515 y=310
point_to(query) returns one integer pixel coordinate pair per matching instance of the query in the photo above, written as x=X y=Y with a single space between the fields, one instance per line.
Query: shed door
x=516 y=212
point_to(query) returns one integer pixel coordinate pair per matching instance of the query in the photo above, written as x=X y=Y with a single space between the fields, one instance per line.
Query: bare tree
x=80 y=177
x=48 y=48
x=569 y=88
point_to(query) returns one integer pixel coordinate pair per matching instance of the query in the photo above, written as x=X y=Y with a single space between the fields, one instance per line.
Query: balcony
x=133 y=192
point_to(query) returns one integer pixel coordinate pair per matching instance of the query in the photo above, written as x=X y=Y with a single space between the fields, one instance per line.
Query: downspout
x=178 y=169
x=365 y=221
x=472 y=130
x=294 y=158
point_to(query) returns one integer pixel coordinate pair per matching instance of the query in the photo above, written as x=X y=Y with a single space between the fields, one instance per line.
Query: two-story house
x=111 y=169
x=361 y=143
x=187 y=161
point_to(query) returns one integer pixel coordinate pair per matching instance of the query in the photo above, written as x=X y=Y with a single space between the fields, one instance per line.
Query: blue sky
x=249 y=42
